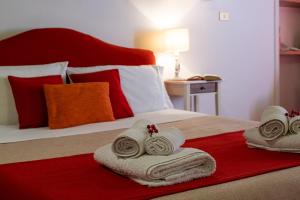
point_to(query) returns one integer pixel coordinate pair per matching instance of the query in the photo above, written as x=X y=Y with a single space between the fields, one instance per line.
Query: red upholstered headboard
x=41 y=46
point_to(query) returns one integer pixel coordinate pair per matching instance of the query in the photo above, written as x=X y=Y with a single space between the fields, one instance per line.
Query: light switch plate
x=224 y=16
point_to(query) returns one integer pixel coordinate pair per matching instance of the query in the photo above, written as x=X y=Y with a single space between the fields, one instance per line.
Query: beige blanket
x=279 y=185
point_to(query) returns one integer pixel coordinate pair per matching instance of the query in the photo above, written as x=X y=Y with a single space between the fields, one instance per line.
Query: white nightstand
x=190 y=90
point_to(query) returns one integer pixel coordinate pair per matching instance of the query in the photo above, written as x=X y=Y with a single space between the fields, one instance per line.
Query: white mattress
x=9 y=134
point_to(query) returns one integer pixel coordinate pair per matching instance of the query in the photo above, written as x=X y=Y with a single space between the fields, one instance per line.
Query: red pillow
x=119 y=102
x=30 y=99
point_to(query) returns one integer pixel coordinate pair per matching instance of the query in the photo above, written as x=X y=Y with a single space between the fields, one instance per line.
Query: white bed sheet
x=12 y=133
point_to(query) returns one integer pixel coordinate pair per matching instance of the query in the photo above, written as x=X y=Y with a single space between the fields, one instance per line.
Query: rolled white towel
x=130 y=143
x=273 y=110
x=184 y=165
x=274 y=123
x=289 y=143
x=166 y=142
x=294 y=126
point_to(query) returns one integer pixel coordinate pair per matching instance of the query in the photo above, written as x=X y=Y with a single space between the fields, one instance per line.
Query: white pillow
x=142 y=85
x=8 y=112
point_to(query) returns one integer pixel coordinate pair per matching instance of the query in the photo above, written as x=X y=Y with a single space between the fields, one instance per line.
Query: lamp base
x=177 y=66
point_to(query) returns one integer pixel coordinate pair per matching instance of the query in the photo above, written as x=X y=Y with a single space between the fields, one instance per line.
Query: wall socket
x=224 y=16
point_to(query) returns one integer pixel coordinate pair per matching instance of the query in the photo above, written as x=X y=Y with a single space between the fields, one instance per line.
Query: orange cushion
x=77 y=104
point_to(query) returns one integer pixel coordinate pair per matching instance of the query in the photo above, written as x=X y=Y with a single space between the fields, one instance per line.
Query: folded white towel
x=289 y=143
x=274 y=123
x=166 y=142
x=184 y=165
x=295 y=125
x=130 y=143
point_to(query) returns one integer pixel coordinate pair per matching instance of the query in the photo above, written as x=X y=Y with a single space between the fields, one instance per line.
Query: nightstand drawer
x=203 y=88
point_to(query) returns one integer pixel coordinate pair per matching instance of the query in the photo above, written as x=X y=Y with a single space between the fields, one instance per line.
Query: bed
x=52 y=45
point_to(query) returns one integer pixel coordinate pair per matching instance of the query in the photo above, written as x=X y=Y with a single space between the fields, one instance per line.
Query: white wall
x=240 y=50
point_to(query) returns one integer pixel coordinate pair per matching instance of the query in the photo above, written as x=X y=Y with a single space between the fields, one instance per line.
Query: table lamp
x=173 y=41
x=176 y=41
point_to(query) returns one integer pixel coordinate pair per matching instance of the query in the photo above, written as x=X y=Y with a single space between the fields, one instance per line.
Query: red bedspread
x=80 y=177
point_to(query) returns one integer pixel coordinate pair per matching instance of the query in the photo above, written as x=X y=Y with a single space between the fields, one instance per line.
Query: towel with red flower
x=153 y=156
x=278 y=131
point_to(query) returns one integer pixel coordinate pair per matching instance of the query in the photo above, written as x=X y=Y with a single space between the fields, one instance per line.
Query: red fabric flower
x=152 y=129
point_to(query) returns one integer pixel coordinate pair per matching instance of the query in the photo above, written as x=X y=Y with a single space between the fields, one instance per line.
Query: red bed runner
x=81 y=178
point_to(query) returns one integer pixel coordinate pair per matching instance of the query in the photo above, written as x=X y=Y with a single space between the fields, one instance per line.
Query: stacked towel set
x=154 y=157
x=278 y=131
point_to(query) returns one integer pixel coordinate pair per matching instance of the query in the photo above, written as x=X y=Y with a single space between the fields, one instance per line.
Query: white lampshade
x=170 y=40
x=177 y=40
x=152 y=40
